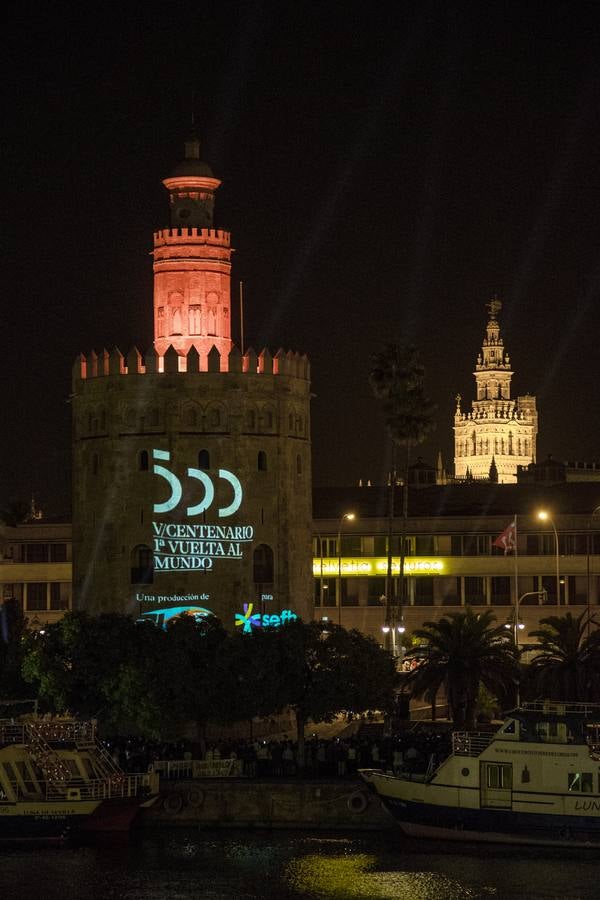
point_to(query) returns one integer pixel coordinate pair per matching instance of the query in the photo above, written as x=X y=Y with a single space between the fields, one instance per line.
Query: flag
x=508 y=539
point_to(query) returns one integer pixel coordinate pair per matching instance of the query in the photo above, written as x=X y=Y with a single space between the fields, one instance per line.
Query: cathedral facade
x=499 y=432
x=191 y=464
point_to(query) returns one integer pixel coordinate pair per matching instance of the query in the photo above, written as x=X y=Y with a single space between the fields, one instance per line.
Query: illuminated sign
x=249 y=620
x=164 y=616
x=373 y=565
x=185 y=546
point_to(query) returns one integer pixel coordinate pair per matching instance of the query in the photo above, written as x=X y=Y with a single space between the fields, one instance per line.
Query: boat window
x=499 y=777
x=89 y=769
x=73 y=767
x=27 y=777
x=581 y=781
x=12 y=776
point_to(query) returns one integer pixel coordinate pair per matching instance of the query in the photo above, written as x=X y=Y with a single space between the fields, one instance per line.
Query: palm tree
x=460 y=652
x=396 y=378
x=566 y=660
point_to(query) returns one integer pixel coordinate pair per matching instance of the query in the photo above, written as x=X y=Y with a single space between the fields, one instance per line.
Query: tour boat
x=57 y=780
x=536 y=780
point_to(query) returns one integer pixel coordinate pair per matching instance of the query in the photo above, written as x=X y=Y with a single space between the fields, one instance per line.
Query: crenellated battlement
x=114 y=363
x=193 y=236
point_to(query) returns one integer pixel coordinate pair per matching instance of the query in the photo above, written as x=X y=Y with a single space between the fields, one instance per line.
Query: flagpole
x=516 y=585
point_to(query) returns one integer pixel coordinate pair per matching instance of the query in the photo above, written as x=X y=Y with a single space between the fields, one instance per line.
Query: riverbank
x=268 y=803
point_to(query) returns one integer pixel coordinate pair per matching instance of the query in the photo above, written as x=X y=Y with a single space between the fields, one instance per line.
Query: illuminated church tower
x=191 y=464
x=499 y=433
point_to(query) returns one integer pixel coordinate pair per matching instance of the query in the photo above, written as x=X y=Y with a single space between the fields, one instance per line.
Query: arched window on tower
x=298 y=465
x=510 y=443
x=262 y=461
x=95 y=464
x=204 y=459
x=143 y=461
x=262 y=564
x=142 y=565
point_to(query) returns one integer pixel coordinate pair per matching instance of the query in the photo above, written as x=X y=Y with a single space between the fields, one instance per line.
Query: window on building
x=476 y=545
x=379 y=545
x=36 y=553
x=548 y=582
x=350 y=591
x=532 y=545
x=423 y=590
x=474 y=590
x=204 y=459
x=59 y=596
x=328 y=590
x=298 y=464
x=58 y=552
x=142 y=565
x=450 y=591
x=456 y=544
x=375 y=591
x=36 y=598
x=262 y=461
x=350 y=544
x=263 y=565
x=500 y=591
x=143 y=461
x=425 y=545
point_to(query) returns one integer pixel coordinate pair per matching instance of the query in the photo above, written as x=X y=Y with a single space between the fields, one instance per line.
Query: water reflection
x=234 y=865
x=359 y=877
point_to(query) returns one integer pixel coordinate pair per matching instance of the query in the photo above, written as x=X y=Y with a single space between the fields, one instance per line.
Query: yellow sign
x=375 y=565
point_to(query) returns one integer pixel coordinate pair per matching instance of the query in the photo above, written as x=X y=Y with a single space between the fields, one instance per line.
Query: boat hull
x=426 y=820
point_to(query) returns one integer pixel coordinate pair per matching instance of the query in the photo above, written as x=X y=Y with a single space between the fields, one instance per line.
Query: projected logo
x=164 y=616
x=185 y=545
x=249 y=620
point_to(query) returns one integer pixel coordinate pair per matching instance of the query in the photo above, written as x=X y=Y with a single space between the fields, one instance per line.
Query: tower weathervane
x=494 y=307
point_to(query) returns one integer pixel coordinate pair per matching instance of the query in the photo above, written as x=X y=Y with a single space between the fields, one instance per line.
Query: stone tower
x=191 y=465
x=499 y=433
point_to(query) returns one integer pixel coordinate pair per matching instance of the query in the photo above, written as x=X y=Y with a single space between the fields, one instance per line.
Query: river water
x=226 y=865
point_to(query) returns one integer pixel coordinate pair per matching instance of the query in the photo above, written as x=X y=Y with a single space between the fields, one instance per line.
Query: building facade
x=499 y=433
x=191 y=466
x=35 y=569
x=451 y=558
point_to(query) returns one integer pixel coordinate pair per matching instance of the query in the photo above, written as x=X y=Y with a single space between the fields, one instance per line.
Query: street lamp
x=349 y=516
x=589 y=536
x=544 y=516
x=518 y=625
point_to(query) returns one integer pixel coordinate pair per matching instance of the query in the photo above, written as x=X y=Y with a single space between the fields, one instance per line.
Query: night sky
x=386 y=169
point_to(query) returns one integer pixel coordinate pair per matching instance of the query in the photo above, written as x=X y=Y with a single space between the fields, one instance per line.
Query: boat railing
x=470 y=743
x=562 y=707
x=117 y=786
x=68 y=731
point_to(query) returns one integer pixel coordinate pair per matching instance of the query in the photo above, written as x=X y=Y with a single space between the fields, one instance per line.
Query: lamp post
x=320 y=539
x=518 y=626
x=349 y=516
x=589 y=574
x=544 y=516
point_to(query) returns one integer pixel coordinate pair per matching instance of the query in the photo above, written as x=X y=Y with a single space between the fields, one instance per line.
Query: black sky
x=386 y=168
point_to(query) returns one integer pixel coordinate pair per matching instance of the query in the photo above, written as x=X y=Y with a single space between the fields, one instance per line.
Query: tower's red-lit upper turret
x=192 y=264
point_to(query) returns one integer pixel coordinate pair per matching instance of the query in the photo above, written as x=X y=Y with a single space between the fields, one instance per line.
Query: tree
x=316 y=672
x=397 y=381
x=566 y=660
x=460 y=652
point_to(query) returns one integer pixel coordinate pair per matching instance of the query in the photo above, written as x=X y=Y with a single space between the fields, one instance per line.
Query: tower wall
x=247 y=416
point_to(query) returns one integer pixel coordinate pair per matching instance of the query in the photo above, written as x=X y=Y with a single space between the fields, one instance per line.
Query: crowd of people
x=413 y=751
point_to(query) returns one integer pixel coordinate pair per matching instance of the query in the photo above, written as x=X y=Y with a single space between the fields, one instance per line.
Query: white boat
x=57 y=780
x=536 y=780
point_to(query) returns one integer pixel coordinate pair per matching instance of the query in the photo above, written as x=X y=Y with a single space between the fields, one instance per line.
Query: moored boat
x=58 y=780
x=536 y=780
